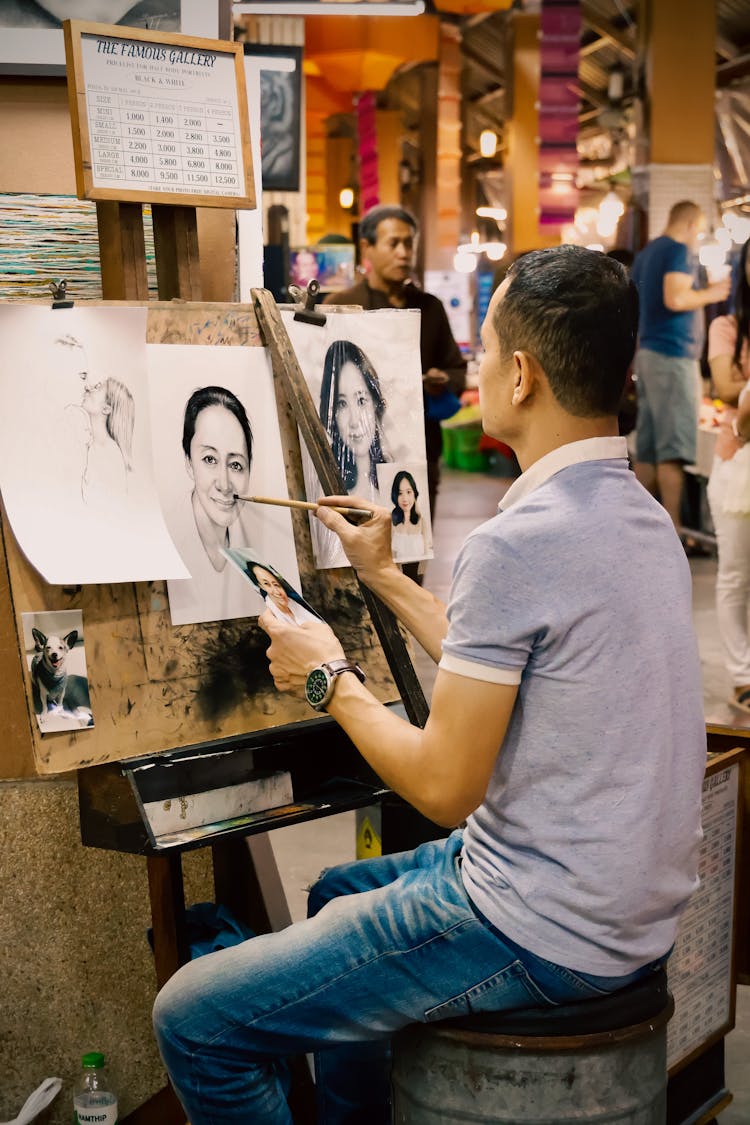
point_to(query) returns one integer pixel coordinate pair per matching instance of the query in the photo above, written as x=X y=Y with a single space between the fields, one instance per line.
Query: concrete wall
x=76 y=970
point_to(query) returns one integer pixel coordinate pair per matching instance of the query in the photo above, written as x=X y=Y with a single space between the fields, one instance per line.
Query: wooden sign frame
x=167 y=50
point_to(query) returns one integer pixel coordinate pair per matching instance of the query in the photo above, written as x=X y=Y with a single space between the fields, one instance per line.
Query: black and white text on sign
x=162 y=118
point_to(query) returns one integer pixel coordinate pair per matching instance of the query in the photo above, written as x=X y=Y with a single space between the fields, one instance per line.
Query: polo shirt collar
x=572 y=453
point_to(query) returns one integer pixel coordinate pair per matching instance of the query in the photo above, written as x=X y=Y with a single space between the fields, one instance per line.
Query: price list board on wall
x=158 y=118
x=701 y=968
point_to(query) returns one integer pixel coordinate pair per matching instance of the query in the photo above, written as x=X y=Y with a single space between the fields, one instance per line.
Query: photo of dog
x=56 y=660
x=49 y=674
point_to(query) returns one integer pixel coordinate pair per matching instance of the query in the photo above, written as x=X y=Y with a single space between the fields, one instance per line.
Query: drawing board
x=155 y=686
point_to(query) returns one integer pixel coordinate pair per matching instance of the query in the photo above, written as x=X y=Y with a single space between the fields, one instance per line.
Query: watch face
x=316 y=687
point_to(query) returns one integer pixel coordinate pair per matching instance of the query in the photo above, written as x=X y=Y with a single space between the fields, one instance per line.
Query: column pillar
x=522 y=160
x=676 y=160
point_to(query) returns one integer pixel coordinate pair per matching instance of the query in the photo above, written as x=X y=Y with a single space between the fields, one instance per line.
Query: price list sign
x=700 y=968
x=158 y=118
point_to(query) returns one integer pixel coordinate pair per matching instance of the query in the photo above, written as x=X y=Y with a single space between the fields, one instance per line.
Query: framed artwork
x=31 y=38
x=280 y=116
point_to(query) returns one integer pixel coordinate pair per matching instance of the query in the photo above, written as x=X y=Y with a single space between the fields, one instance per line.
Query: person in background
x=666 y=364
x=566 y=730
x=388 y=235
x=729 y=483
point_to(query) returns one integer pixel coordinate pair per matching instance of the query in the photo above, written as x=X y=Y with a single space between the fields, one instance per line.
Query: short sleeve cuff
x=473 y=671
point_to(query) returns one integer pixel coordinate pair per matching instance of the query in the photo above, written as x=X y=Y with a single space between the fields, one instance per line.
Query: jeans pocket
x=511 y=988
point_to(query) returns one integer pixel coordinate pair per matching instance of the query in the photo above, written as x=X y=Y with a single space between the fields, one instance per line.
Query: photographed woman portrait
x=218 y=445
x=283 y=601
x=729 y=483
x=409 y=538
x=351 y=409
x=110 y=412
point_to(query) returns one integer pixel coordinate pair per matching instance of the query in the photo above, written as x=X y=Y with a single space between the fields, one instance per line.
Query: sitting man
x=566 y=729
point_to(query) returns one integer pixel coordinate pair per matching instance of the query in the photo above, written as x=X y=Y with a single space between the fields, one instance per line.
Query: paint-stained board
x=157 y=687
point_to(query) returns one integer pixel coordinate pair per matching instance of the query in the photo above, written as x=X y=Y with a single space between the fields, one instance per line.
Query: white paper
x=218 y=593
x=82 y=505
x=389 y=339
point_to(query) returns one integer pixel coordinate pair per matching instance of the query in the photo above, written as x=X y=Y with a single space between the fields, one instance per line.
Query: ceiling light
x=497 y=213
x=346 y=198
x=330 y=8
x=487 y=143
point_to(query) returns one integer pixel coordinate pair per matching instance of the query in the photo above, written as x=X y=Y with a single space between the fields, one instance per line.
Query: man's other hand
x=435 y=381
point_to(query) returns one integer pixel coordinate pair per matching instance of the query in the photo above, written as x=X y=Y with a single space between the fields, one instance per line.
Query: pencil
x=361 y=512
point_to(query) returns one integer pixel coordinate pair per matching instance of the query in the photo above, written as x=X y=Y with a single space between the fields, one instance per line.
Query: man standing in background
x=388 y=236
x=666 y=364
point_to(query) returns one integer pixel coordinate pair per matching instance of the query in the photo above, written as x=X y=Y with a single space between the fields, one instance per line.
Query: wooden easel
x=245 y=875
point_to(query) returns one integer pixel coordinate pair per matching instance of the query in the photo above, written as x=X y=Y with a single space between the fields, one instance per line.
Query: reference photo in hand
x=280 y=597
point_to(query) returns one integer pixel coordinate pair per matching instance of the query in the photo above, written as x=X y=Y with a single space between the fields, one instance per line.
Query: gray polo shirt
x=585 y=848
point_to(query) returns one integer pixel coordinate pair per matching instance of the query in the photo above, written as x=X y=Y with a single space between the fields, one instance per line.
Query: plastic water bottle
x=93 y=1101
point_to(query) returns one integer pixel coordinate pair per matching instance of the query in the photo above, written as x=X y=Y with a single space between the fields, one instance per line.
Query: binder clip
x=308 y=315
x=58 y=290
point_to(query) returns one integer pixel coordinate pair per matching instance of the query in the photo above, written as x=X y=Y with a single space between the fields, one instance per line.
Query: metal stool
x=602 y=1060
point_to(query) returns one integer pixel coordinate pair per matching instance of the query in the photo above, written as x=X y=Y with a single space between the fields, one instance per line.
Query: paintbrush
x=356 y=513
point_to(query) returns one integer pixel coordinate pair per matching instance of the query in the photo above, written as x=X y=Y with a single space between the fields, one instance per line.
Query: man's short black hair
x=576 y=312
x=368 y=224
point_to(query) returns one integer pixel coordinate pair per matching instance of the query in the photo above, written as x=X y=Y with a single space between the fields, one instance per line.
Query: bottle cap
x=93 y=1059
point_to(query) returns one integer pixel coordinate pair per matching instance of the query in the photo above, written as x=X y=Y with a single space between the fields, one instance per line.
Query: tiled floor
x=466 y=499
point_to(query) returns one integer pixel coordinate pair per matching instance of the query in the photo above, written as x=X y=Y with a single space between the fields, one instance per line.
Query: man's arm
x=368 y=548
x=443 y=770
x=679 y=295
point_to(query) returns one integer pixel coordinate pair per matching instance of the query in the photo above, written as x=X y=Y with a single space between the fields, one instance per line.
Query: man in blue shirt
x=666 y=364
x=570 y=875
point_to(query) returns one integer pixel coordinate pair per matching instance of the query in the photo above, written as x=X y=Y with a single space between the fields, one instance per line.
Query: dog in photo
x=49 y=675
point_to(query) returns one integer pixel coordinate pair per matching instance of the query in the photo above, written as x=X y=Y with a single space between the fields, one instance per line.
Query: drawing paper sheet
x=389 y=339
x=189 y=492
x=75 y=452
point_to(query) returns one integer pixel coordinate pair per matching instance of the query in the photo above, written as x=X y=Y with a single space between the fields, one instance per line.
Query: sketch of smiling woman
x=218 y=445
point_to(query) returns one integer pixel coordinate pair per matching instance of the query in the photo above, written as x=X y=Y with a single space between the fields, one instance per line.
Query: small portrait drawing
x=410 y=538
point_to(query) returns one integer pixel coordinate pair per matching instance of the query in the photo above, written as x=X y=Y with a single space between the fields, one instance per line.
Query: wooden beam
x=728 y=72
x=620 y=39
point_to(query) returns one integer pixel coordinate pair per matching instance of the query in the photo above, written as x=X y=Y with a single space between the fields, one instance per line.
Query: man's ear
x=525 y=369
x=364 y=249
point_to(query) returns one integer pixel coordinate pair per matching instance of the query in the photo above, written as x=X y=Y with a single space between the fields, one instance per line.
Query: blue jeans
x=389 y=941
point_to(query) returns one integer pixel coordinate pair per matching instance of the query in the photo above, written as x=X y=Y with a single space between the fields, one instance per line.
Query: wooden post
x=176 y=246
x=122 y=251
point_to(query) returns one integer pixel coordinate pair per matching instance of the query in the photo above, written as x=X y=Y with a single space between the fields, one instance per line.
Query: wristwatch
x=320 y=683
